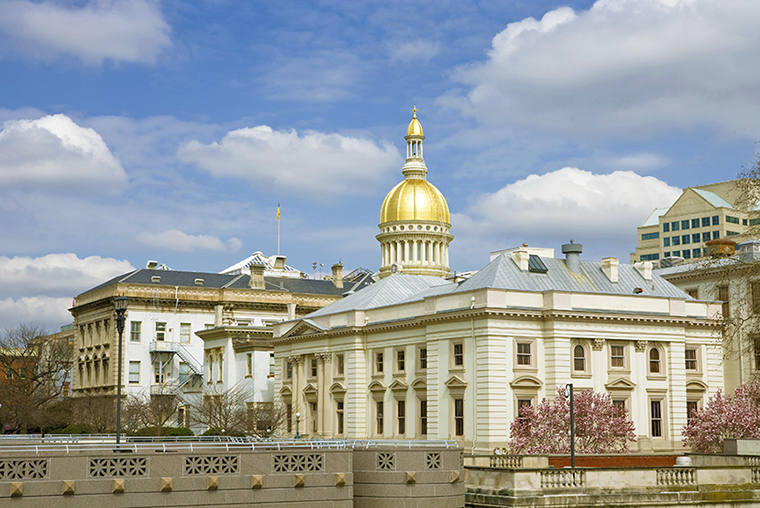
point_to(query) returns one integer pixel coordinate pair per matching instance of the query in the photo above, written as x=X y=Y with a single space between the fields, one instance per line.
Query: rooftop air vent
x=152 y=265
x=198 y=282
x=155 y=279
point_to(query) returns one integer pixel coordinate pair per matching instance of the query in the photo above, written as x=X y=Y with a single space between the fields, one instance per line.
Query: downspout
x=474 y=382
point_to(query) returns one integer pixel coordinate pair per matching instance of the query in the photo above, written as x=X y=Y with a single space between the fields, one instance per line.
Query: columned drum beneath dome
x=414 y=219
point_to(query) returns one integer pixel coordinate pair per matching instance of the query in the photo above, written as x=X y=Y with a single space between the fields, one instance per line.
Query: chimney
x=337 y=274
x=572 y=252
x=644 y=268
x=749 y=250
x=152 y=265
x=257 y=276
x=610 y=268
x=521 y=258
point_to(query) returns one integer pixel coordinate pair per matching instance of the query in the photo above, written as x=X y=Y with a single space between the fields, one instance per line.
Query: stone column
x=297 y=390
x=325 y=402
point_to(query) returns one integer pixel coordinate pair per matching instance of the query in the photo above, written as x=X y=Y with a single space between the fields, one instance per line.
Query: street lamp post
x=298 y=419
x=569 y=394
x=120 y=304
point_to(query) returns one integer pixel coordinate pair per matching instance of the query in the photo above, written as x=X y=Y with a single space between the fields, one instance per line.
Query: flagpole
x=278 y=229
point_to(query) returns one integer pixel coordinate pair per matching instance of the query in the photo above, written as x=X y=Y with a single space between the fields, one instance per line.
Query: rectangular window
x=313 y=367
x=676 y=240
x=379 y=417
x=686 y=254
x=379 y=363
x=754 y=222
x=184 y=371
x=619 y=405
x=696 y=253
x=685 y=224
x=694 y=293
x=715 y=235
x=339 y=414
x=617 y=357
x=160 y=331
x=423 y=417
x=666 y=242
x=523 y=353
x=288 y=369
x=423 y=358
x=667 y=254
x=731 y=233
x=158 y=373
x=458 y=355
x=650 y=236
x=459 y=417
x=685 y=239
x=691 y=359
x=691 y=407
x=732 y=220
x=271 y=365
x=755 y=297
x=401 y=404
x=184 y=333
x=706 y=236
x=656 y=418
x=723 y=297
x=676 y=253
x=705 y=222
x=675 y=226
x=522 y=404
x=400 y=361
x=650 y=257
x=694 y=223
x=249 y=364
x=695 y=238
x=134 y=373
x=340 y=364
x=135 y=331
x=666 y=227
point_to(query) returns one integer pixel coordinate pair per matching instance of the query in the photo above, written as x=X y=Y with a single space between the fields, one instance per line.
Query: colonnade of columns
x=414 y=148
x=424 y=252
x=319 y=422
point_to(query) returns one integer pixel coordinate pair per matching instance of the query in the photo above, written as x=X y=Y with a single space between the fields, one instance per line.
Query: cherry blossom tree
x=600 y=426
x=725 y=416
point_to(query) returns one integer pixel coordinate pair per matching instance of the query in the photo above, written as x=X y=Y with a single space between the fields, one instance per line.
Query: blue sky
x=170 y=130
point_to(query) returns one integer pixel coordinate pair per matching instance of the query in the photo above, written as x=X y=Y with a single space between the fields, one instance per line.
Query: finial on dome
x=414 y=111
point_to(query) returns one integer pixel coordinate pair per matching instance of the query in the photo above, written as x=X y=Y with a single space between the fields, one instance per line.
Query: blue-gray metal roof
x=394 y=289
x=713 y=198
x=654 y=217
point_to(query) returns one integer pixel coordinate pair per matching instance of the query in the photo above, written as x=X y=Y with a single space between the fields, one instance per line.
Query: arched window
x=579 y=358
x=654 y=360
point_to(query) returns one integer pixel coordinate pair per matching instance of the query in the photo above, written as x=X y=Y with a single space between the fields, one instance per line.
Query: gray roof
x=654 y=217
x=239 y=281
x=503 y=273
x=396 y=288
x=713 y=198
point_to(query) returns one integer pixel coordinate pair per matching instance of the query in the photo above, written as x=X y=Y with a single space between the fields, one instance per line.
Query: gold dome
x=415 y=127
x=414 y=199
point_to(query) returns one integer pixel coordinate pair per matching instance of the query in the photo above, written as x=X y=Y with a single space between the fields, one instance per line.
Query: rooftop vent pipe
x=572 y=252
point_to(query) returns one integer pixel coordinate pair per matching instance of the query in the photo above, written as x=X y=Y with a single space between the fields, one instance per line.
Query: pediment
x=376 y=386
x=526 y=382
x=304 y=327
x=398 y=385
x=310 y=388
x=696 y=386
x=419 y=384
x=455 y=382
x=337 y=388
x=620 y=383
x=285 y=391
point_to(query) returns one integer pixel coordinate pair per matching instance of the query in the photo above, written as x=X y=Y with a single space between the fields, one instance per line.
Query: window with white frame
x=691 y=407
x=656 y=361
x=184 y=333
x=379 y=417
x=134 y=373
x=401 y=417
x=423 y=417
x=160 y=330
x=580 y=358
x=457 y=358
x=379 y=362
x=340 y=365
x=524 y=355
x=458 y=416
x=617 y=356
x=400 y=360
x=423 y=358
x=339 y=416
x=692 y=363
x=656 y=417
x=135 y=331
x=249 y=364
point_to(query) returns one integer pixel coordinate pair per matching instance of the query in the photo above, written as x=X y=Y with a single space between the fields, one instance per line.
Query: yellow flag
x=278 y=211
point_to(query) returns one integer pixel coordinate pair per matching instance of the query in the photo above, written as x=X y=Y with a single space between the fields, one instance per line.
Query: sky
x=170 y=130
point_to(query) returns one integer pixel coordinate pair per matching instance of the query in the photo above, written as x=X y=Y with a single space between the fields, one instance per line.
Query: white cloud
x=623 y=67
x=569 y=201
x=174 y=239
x=284 y=161
x=56 y=274
x=414 y=52
x=120 y=30
x=49 y=312
x=55 y=152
